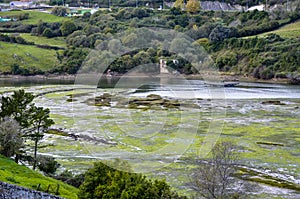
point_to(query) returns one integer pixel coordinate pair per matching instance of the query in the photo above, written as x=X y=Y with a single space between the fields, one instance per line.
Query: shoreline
x=229 y=78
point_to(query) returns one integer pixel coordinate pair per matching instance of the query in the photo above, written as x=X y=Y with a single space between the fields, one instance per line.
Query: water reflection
x=31 y=81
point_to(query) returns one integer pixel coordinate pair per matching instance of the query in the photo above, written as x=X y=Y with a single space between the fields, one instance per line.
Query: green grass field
x=22 y=176
x=56 y=41
x=26 y=56
x=35 y=16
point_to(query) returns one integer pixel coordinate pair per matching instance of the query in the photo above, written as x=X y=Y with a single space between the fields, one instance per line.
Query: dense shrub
x=59 y=11
x=68 y=27
x=220 y=33
x=14 y=39
x=69 y=178
x=103 y=181
x=72 y=60
x=47 y=164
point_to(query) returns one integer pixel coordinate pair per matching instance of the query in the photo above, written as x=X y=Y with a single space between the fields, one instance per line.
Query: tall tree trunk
x=35 y=152
x=17 y=158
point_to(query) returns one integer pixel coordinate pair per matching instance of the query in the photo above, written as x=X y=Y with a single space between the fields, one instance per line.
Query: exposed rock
x=265 y=177
x=270 y=143
x=216 y=5
x=273 y=102
x=73 y=96
x=154 y=102
x=96 y=139
x=102 y=100
x=81 y=136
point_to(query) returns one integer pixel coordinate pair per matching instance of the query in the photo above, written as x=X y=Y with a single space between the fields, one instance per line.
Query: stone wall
x=9 y=191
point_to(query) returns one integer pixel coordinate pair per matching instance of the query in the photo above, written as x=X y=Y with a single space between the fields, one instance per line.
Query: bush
x=267 y=74
x=68 y=27
x=48 y=33
x=69 y=178
x=59 y=11
x=47 y=164
x=140 y=13
x=220 y=33
x=103 y=181
x=10 y=137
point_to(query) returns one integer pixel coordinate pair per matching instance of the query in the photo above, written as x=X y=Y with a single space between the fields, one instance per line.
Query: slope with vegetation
x=22 y=176
x=224 y=34
x=291 y=30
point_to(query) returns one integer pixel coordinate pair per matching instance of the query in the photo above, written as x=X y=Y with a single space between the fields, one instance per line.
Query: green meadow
x=56 y=41
x=26 y=56
x=34 y=16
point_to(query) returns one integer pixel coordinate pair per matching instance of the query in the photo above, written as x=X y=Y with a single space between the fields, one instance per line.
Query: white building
x=21 y=4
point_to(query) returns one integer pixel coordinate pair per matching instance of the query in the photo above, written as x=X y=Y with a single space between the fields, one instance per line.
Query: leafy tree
x=220 y=33
x=175 y=11
x=16 y=106
x=193 y=6
x=39 y=123
x=68 y=177
x=56 y=2
x=103 y=181
x=73 y=58
x=10 y=137
x=139 y=13
x=180 y=45
x=68 y=27
x=47 y=164
x=59 y=11
x=179 y=4
x=48 y=33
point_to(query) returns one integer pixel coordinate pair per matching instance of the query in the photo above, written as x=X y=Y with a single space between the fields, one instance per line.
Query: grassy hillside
x=288 y=31
x=56 y=41
x=22 y=176
x=34 y=16
x=26 y=56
